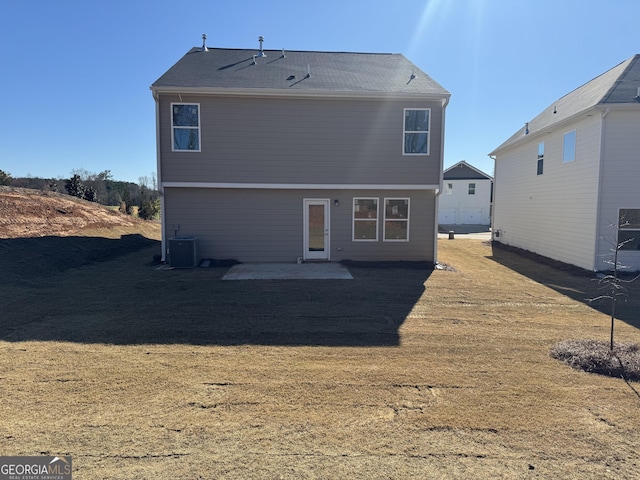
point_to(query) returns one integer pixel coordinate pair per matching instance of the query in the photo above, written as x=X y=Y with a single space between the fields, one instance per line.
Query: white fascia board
x=480 y=172
x=298 y=186
x=553 y=127
x=266 y=92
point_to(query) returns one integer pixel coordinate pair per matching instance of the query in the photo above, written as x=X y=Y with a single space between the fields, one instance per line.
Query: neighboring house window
x=185 y=126
x=540 y=157
x=449 y=189
x=365 y=219
x=416 y=131
x=569 y=147
x=629 y=228
x=396 y=219
x=472 y=189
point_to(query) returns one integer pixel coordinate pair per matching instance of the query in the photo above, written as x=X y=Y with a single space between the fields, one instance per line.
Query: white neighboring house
x=466 y=196
x=570 y=176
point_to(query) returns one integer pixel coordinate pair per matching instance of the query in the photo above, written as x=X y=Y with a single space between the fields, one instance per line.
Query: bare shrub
x=595 y=356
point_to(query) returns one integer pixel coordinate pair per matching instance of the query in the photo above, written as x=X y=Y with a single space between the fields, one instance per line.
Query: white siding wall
x=620 y=181
x=455 y=208
x=552 y=214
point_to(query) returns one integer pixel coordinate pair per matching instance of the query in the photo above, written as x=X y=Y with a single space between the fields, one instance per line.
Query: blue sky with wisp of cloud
x=75 y=75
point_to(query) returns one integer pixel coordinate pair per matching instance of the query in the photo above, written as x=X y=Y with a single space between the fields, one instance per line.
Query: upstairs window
x=396 y=219
x=629 y=228
x=472 y=189
x=448 y=189
x=540 y=157
x=569 y=147
x=185 y=127
x=365 y=219
x=416 y=131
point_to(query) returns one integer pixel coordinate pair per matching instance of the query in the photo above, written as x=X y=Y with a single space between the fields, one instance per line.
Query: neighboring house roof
x=614 y=87
x=298 y=72
x=463 y=171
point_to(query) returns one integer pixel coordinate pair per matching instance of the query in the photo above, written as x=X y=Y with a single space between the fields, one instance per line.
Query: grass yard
x=399 y=373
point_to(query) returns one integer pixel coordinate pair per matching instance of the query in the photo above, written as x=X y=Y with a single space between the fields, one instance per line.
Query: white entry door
x=316 y=229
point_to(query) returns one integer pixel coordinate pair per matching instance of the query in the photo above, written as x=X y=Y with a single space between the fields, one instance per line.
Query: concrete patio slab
x=288 y=271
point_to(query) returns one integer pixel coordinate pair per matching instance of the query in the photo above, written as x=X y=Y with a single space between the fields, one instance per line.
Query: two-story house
x=274 y=155
x=569 y=179
x=466 y=196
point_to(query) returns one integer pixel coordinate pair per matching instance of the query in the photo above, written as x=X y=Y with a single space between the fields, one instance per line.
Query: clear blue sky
x=75 y=74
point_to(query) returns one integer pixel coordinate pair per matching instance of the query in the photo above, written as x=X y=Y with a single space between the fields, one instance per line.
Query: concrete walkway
x=288 y=271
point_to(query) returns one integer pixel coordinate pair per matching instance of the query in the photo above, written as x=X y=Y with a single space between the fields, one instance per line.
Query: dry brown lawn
x=400 y=373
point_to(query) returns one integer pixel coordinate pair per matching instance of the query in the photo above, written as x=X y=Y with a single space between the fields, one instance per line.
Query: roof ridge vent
x=261 y=52
x=204 y=43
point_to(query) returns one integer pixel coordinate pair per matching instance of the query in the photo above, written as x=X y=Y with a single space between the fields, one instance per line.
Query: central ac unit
x=183 y=252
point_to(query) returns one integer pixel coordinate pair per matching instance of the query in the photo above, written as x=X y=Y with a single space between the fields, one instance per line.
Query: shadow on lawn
x=574 y=282
x=128 y=301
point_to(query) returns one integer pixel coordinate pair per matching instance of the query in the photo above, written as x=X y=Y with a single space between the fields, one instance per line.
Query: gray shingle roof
x=302 y=71
x=618 y=85
x=463 y=171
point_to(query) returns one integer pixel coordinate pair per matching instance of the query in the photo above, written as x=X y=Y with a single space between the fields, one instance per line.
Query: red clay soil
x=42 y=233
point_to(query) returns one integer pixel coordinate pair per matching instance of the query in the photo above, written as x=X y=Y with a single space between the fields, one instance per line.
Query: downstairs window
x=396 y=219
x=629 y=228
x=365 y=219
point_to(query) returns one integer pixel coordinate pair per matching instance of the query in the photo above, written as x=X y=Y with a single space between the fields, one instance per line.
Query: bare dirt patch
x=26 y=213
x=400 y=373
x=43 y=233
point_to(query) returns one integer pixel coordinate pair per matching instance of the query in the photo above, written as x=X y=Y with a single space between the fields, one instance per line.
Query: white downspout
x=599 y=187
x=437 y=193
x=156 y=97
x=493 y=195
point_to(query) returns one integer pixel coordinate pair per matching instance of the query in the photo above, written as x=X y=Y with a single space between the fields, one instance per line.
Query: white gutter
x=542 y=130
x=269 y=92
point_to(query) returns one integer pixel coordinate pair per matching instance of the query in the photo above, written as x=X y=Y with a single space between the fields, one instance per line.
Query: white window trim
x=354 y=219
x=448 y=189
x=428 y=132
x=627 y=229
x=575 y=145
x=540 y=162
x=384 y=221
x=469 y=192
x=173 y=149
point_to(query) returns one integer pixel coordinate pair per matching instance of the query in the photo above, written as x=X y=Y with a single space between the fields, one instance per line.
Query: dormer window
x=185 y=127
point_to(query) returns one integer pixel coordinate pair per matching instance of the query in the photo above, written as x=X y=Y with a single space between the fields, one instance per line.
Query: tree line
x=98 y=187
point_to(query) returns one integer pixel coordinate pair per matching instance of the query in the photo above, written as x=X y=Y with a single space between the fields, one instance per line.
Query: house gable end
x=464 y=171
x=613 y=86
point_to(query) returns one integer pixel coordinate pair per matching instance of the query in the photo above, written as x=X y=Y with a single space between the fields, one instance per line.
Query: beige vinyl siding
x=280 y=140
x=620 y=181
x=254 y=225
x=552 y=214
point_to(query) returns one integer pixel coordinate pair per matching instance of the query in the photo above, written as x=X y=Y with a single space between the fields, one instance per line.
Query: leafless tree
x=612 y=285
